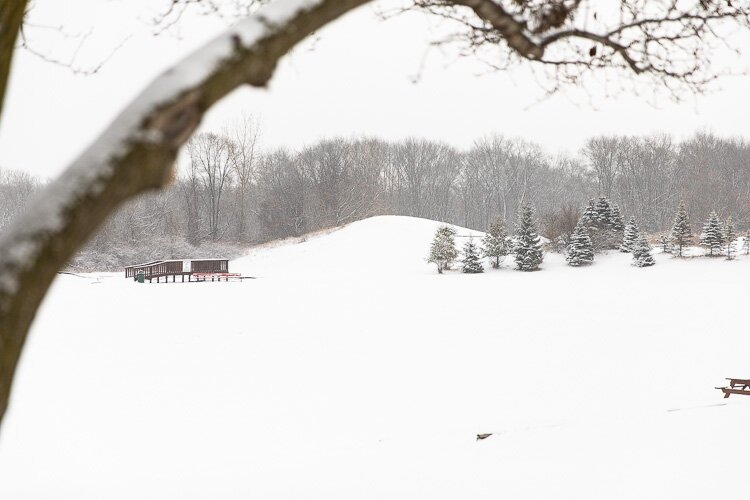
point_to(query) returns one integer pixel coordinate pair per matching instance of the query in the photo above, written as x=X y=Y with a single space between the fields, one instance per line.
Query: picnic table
x=736 y=386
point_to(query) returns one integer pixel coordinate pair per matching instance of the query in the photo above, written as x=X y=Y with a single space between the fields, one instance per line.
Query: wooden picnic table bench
x=736 y=386
x=736 y=382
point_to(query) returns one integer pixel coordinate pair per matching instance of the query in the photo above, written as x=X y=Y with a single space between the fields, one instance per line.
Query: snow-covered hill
x=351 y=369
x=378 y=246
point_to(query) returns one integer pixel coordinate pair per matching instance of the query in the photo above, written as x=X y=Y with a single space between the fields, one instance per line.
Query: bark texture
x=11 y=18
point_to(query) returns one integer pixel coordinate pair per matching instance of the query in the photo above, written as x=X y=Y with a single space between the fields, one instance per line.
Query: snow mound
x=385 y=245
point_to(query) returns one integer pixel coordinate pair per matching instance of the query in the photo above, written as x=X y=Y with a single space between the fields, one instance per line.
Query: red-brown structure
x=736 y=386
x=195 y=270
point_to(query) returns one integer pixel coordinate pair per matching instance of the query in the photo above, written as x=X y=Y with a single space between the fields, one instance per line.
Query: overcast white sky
x=357 y=78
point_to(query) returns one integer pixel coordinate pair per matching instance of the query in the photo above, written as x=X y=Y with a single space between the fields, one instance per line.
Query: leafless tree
x=602 y=155
x=245 y=137
x=16 y=188
x=214 y=157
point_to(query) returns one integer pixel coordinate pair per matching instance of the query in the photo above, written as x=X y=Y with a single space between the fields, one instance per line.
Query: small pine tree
x=642 y=252
x=631 y=233
x=729 y=236
x=528 y=245
x=580 y=248
x=471 y=262
x=443 y=249
x=681 y=235
x=495 y=244
x=746 y=243
x=617 y=223
x=712 y=236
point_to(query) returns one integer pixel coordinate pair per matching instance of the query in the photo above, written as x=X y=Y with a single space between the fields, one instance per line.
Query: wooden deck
x=196 y=270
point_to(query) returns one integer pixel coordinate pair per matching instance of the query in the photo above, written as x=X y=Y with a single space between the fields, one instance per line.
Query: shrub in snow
x=666 y=247
x=729 y=236
x=443 y=249
x=580 y=250
x=629 y=236
x=681 y=235
x=642 y=253
x=495 y=244
x=746 y=243
x=712 y=236
x=528 y=246
x=561 y=243
x=471 y=262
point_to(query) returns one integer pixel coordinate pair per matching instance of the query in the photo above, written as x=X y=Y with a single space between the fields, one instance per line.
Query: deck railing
x=158 y=268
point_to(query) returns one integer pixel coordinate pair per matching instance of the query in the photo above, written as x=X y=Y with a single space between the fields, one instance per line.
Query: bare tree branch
x=669 y=43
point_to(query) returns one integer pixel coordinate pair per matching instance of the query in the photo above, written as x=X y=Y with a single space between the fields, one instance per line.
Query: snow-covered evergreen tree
x=642 y=252
x=604 y=223
x=589 y=216
x=631 y=233
x=528 y=246
x=471 y=262
x=746 y=243
x=617 y=223
x=712 y=236
x=604 y=212
x=580 y=250
x=729 y=236
x=681 y=235
x=495 y=244
x=443 y=249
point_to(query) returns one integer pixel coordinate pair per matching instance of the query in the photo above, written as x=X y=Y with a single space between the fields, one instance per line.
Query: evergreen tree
x=604 y=222
x=580 y=249
x=712 y=236
x=729 y=236
x=495 y=244
x=617 y=223
x=604 y=213
x=528 y=245
x=631 y=233
x=443 y=249
x=746 y=243
x=642 y=252
x=589 y=217
x=471 y=262
x=681 y=236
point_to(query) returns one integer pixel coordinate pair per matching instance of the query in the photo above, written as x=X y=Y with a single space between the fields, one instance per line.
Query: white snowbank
x=350 y=369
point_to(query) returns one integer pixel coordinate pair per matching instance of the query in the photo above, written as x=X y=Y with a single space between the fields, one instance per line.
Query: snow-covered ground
x=351 y=370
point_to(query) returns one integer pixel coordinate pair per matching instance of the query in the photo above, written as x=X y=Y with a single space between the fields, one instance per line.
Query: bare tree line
x=230 y=194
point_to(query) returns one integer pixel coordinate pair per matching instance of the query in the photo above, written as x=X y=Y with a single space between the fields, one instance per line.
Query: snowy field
x=351 y=370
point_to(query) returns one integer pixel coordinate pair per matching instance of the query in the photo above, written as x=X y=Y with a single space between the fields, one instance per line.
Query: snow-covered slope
x=378 y=246
x=351 y=369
